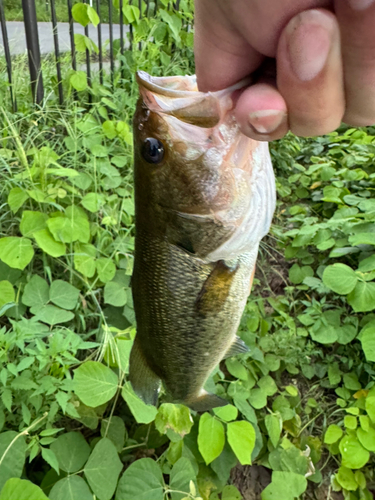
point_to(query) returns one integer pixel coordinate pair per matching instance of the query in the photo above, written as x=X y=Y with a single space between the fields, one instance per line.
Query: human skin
x=323 y=51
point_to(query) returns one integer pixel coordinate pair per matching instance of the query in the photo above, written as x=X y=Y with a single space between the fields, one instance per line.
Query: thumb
x=222 y=55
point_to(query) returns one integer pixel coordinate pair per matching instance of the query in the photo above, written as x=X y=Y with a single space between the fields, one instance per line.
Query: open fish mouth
x=179 y=96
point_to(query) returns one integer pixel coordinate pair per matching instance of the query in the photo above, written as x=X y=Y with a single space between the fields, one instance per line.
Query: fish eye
x=153 y=150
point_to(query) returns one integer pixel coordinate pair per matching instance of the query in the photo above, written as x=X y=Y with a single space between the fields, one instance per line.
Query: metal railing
x=33 y=46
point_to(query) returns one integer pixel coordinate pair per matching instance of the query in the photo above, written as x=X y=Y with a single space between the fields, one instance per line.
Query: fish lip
x=159 y=85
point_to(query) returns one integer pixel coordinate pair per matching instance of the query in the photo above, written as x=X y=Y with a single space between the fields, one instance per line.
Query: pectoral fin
x=205 y=401
x=237 y=347
x=145 y=382
x=216 y=288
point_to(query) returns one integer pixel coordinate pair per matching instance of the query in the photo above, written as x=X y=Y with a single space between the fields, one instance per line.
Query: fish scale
x=198 y=227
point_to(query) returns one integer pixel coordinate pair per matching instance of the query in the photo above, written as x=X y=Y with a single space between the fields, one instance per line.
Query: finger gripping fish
x=204 y=198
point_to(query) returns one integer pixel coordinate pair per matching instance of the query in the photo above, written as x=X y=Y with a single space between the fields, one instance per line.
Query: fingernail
x=266 y=121
x=309 y=43
x=360 y=4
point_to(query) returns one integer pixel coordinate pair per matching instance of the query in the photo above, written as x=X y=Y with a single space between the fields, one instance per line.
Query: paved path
x=17 y=39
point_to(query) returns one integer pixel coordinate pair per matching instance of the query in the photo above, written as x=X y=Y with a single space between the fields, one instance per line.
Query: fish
x=204 y=198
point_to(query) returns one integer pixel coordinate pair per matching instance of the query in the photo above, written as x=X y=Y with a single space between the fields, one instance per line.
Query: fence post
x=33 y=49
x=7 y=54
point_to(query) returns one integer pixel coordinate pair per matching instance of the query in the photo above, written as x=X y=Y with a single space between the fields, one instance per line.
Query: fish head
x=193 y=167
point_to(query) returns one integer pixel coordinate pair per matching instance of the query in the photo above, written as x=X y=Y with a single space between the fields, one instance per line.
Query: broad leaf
x=16 y=252
x=7 y=293
x=94 y=383
x=362 y=298
x=71 y=450
x=113 y=428
x=32 y=222
x=175 y=418
x=52 y=315
x=340 y=278
x=21 y=489
x=291 y=485
x=63 y=294
x=211 y=438
x=71 y=488
x=48 y=244
x=36 y=293
x=241 y=437
x=142 y=480
x=354 y=456
x=227 y=413
x=16 y=198
x=103 y=469
x=143 y=414
x=12 y=456
x=180 y=479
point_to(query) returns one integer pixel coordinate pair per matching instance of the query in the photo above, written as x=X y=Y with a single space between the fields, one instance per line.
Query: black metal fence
x=33 y=46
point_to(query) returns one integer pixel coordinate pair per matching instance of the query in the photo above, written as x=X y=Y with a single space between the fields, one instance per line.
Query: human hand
x=325 y=61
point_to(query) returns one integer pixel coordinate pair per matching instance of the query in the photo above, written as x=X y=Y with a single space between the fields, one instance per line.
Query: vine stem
x=23 y=433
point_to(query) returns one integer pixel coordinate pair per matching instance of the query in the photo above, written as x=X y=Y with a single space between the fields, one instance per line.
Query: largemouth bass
x=204 y=198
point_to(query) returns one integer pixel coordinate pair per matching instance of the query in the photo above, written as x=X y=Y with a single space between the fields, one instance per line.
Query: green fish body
x=204 y=197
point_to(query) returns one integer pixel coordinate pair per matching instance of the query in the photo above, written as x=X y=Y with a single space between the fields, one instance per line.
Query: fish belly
x=187 y=312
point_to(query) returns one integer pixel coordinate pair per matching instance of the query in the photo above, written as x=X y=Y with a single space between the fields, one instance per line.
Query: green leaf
x=106 y=269
x=115 y=294
x=340 y=278
x=71 y=450
x=345 y=478
x=370 y=408
x=93 y=16
x=32 y=222
x=354 y=456
x=241 y=437
x=16 y=198
x=84 y=259
x=69 y=229
x=92 y=202
x=350 y=422
x=274 y=425
x=367 y=439
x=297 y=274
x=109 y=129
x=7 y=293
x=48 y=244
x=94 y=383
x=174 y=22
x=175 y=418
x=78 y=80
x=230 y=492
x=268 y=385
x=258 y=398
x=226 y=413
x=367 y=265
x=52 y=315
x=211 y=438
x=142 y=480
x=79 y=13
x=236 y=368
x=181 y=476
x=291 y=485
x=12 y=456
x=113 y=428
x=103 y=469
x=333 y=434
x=70 y=488
x=362 y=298
x=63 y=294
x=362 y=239
x=143 y=414
x=50 y=458
x=36 y=293
x=16 y=252
x=131 y=13
x=21 y=489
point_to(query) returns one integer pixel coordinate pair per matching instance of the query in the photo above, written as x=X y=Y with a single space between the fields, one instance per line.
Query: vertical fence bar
x=122 y=40
x=131 y=30
x=7 y=54
x=71 y=34
x=156 y=7
x=111 y=39
x=100 y=44
x=177 y=5
x=140 y=16
x=57 y=53
x=88 y=63
x=147 y=7
x=33 y=49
